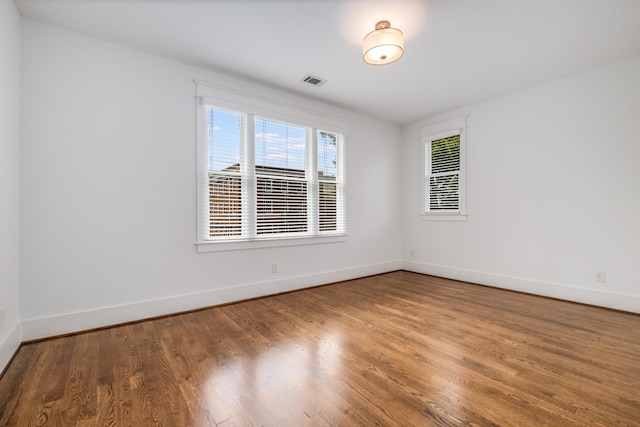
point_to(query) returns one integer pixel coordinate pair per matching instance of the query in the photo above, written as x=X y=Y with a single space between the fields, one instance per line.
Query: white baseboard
x=31 y=329
x=80 y=321
x=596 y=297
x=9 y=345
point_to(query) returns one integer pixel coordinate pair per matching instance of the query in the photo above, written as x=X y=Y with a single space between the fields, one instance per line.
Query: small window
x=443 y=186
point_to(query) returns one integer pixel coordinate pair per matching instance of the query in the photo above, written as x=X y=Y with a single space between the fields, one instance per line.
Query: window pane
x=223 y=139
x=225 y=207
x=281 y=191
x=445 y=154
x=327 y=155
x=281 y=206
x=327 y=206
x=443 y=193
x=279 y=147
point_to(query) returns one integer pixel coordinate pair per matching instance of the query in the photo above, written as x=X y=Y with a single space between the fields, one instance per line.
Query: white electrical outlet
x=600 y=276
x=412 y=253
x=274 y=267
x=1 y=317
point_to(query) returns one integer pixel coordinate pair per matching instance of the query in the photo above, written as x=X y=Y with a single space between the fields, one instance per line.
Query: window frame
x=429 y=134
x=251 y=107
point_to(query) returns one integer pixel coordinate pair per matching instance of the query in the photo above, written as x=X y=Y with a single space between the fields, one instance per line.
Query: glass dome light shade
x=382 y=46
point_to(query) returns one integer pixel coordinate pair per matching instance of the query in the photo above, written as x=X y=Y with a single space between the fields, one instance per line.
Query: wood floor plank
x=399 y=349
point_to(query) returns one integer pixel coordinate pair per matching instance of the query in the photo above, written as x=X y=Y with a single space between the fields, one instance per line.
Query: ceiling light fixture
x=382 y=46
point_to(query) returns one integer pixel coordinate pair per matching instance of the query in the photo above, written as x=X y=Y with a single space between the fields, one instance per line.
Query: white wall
x=9 y=177
x=108 y=192
x=553 y=192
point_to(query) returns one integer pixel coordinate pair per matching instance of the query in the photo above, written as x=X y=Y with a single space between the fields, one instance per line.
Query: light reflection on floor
x=288 y=372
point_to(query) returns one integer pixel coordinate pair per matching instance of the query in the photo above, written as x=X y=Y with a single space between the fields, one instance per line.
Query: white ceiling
x=456 y=51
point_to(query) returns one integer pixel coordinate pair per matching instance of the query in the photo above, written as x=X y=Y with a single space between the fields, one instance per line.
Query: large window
x=265 y=176
x=443 y=187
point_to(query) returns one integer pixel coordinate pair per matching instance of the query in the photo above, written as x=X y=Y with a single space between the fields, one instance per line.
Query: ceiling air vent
x=313 y=80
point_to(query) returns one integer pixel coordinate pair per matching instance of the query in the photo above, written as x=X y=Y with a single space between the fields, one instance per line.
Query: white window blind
x=282 y=205
x=329 y=187
x=224 y=176
x=444 y=174
x=265 y=178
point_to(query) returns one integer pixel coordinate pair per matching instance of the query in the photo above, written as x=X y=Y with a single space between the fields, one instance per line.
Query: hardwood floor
x=399 y=349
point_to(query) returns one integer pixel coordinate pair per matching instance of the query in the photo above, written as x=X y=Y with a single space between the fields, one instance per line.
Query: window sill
x=238 y=245
x=443 y=217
